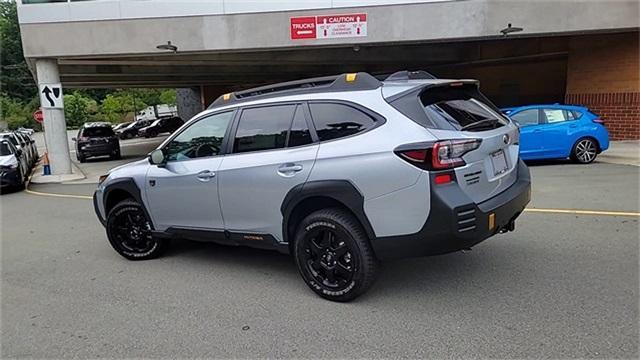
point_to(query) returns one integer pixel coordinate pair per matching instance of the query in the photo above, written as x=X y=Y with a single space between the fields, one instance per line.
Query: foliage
x=168 y=96
x=15 y=78
x=16 y=113
x=78 y=109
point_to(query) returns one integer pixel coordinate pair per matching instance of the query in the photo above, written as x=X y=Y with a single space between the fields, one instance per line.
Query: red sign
x=329 y=26
x=303 y=27
x=38 y=116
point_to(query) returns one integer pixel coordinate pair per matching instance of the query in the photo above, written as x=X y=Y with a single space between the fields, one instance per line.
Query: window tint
x=334 y=121
x=5 y=149
x=527 y=117
x=203 y=138
x=576 y=114
x=263 y=128
x=299 y=134
x=101 y=131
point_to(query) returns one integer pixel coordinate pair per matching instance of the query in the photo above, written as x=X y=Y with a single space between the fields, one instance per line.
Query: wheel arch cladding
x=119 y=190
x=306 y=198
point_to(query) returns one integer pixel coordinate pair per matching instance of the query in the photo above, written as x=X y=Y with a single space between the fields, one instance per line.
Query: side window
x=554 y=115
x=299 y=134
x=334 y=121
x=263 y=128
x=576 y=114
x=203 y=138
x=526 y=117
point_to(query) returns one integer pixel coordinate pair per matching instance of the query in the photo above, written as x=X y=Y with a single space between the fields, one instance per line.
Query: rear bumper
x=98 y=149
x=456 y=223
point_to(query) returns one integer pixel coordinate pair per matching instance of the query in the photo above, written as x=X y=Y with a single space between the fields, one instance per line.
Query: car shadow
x=412 y=277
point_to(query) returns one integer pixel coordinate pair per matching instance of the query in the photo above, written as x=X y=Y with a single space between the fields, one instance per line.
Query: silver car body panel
x=251 y=189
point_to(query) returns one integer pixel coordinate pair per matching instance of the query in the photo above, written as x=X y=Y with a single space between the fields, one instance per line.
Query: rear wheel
x=81 y=157
x=129 y=232
x=334 y=256
x=584 y=151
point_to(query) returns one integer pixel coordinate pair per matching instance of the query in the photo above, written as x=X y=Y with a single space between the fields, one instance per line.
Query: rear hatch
x=97 y=136
x=488 y=141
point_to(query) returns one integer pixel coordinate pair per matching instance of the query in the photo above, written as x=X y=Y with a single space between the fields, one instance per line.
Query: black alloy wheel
x=130 y=232
x=334 y=256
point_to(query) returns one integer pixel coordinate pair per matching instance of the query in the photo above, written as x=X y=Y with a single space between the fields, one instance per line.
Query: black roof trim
x=362 y=81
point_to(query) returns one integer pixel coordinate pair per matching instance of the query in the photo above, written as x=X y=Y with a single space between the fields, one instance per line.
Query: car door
x=183 y=193
x=272 y=152
x=555 y=129
x=530 y=141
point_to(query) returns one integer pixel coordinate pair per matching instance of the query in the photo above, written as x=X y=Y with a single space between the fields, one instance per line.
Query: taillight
x=84 y=138
x=440 y=155
x=598 y=121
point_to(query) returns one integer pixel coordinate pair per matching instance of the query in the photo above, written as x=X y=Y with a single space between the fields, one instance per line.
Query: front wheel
x=334 y=256
x=584 y=151
x=129 y=232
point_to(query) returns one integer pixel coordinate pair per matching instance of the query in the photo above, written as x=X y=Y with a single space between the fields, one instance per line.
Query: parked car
x=29 y=146
x=19 y=145
x=131 y=130
x=164 y=125
x=559 y=132
x=26 y=130
x=96 y=139
x=121 y=125
x=341 y=172
x=12 y=168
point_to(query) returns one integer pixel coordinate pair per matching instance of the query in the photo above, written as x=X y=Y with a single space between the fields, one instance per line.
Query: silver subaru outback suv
x=341 y=172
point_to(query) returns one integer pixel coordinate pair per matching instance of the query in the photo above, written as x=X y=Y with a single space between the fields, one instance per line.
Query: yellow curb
x=583 y=212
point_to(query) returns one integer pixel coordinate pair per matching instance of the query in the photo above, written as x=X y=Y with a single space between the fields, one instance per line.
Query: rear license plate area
x=499 y=162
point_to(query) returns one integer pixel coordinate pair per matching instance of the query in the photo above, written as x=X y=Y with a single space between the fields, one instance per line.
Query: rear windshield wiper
x=478 y=123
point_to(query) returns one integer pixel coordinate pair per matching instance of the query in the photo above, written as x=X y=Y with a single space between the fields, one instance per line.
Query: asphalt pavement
x=560 y=286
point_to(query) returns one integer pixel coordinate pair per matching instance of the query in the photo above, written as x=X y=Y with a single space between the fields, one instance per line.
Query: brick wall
x=603 y=74
x=620 y=111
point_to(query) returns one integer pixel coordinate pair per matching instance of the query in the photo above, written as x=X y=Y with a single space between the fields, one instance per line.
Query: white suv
x=340 y=171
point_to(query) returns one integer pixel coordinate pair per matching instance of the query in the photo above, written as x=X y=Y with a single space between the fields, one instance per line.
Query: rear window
x=334 y=121
x=102 y=131
x=461 y=109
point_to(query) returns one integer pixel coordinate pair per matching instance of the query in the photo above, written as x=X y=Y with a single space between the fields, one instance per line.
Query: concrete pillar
x=55 y=125
x=188 y=102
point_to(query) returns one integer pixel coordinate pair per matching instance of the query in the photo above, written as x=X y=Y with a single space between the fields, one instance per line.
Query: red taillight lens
x=598 y=121
x=440 y=155
x=83 y=138
x=448 y=154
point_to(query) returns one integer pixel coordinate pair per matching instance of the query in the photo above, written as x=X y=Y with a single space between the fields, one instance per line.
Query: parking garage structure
x=579 y=52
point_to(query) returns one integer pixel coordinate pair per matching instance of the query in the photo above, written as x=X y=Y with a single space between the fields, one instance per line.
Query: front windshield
x=5 y=149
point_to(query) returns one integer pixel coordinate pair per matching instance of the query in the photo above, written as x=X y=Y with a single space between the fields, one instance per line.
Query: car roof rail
x=343 y=82
x=410 y=75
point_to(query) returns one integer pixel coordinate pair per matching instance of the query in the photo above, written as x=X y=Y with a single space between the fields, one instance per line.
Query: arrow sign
x=51 y=96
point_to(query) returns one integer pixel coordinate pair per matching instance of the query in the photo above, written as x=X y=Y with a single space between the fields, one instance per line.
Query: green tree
x=16 y=113
x=78 y=109
x=15 y=78
x=116 y=106
x=168 y=96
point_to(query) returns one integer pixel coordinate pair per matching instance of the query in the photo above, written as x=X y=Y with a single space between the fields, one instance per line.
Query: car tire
x=116 y=155
x=130 y=232
x=153 y=134
x=128 y=135
x=585 y=150
x=334 y=256
x=81 y=158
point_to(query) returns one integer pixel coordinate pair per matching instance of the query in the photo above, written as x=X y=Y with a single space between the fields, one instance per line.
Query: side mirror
x=156 y=157
x=73 y=139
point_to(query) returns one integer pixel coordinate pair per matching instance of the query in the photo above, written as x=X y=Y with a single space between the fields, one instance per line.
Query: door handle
x=289 y=169
x=205 y=175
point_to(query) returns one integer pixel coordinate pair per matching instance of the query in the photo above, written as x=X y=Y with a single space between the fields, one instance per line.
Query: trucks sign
x=329 y=26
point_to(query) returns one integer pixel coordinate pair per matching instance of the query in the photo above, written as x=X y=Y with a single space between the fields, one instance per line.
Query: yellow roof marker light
x=226 y=96
x=351 y=77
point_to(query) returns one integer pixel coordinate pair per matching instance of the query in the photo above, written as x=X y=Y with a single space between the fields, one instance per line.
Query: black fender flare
x=342 y=191
x=127 y=185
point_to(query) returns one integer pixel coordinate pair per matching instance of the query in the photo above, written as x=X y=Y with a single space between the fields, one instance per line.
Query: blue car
x=559 y=132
